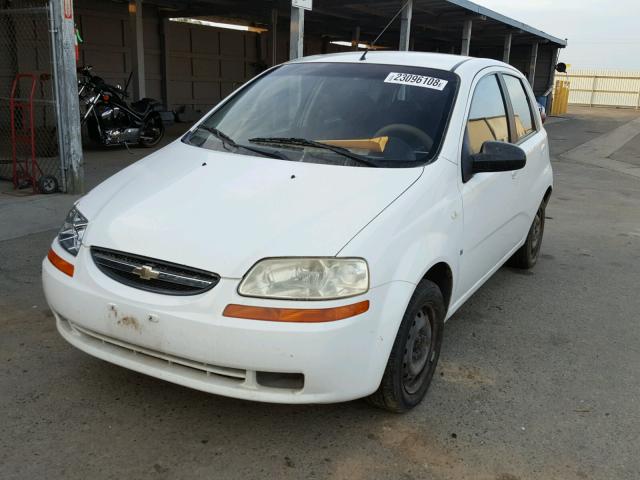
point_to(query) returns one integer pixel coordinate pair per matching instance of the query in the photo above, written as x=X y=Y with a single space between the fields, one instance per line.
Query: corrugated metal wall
x=108 y=43
x=614 y=88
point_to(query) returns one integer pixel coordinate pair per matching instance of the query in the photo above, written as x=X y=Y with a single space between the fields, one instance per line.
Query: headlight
x=72 y=231
x=306 y=278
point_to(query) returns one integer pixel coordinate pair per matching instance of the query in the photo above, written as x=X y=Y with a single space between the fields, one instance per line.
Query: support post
x=466 y=37
x=67 y=104
x=135 y=17
x=506 y=53
x=274 y=36
x=405 y=25
x=355 y=38
x=296 y=36
x=164 y=37
x=551 y=79
x=324 y=48
x=532 y=64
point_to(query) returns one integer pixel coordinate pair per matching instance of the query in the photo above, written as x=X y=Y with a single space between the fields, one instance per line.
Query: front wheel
x=415 y=352
x=152 y=131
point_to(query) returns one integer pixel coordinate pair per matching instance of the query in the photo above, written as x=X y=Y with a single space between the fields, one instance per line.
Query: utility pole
x=66 y=86
x=296 y=37
x=405 y=25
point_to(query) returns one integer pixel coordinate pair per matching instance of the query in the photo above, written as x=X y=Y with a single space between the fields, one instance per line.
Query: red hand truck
x=26 y=170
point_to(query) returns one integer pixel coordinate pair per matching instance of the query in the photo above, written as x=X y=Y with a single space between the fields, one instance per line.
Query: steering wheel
x=408 y=132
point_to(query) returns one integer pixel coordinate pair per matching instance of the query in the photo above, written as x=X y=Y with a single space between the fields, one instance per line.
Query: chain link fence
x=28 y=123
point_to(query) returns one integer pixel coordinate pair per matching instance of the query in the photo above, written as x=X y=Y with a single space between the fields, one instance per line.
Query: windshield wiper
x=226 y=139
x=303 y=142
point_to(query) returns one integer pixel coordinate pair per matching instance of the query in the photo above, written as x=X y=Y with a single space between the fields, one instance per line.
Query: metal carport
x=192 y=67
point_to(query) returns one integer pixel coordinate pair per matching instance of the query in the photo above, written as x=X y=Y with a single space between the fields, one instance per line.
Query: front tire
x=415 y=352
x=527 y=255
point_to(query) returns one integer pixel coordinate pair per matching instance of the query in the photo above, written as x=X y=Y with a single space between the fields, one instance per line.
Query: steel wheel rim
x=419 y=350
x=536 y=234
x=48 y=184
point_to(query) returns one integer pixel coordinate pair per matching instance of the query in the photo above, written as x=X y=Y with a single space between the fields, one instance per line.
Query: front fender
x=420 y=229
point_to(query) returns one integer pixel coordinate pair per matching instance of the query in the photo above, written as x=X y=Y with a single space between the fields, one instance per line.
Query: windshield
x=353 y=114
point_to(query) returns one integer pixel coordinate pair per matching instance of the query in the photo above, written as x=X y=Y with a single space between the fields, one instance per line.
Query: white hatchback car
x=307 y=239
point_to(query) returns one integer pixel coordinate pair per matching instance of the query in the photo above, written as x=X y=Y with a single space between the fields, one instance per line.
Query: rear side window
x=488 y=116
x=522 y=113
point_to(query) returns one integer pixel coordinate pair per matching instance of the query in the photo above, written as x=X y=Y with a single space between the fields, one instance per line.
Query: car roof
x=440 y=61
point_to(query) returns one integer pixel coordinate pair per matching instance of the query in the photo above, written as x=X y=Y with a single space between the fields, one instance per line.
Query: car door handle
x=514 y=174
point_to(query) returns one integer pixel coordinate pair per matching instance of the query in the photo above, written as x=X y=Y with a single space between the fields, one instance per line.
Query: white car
x=307 y=239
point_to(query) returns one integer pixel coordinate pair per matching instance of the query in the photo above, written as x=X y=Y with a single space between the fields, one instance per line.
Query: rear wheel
x=527 y=255
x=415 y=352
x=152 y=131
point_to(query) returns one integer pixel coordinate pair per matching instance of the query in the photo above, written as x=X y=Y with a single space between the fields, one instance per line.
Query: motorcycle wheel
x=152 y=131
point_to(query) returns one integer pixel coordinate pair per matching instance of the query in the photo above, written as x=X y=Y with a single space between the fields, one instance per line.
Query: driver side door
x=489 y=199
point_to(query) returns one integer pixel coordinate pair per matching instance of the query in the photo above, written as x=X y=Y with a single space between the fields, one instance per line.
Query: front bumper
x=186 y=340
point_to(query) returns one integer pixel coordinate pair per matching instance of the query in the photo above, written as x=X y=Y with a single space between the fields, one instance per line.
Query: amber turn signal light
x=60 y=263
x=301 y=315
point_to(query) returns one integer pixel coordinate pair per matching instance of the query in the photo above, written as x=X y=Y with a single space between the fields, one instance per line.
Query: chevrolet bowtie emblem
x=145 y=272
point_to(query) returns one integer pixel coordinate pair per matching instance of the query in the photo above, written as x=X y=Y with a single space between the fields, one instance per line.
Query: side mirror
x=498 y=157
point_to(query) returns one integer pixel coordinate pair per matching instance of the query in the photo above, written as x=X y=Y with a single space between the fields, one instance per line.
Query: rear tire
x=152 y=131
x=415 y=352
x=527 y=255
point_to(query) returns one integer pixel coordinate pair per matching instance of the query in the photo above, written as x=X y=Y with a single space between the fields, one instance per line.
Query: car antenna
x=373 y=44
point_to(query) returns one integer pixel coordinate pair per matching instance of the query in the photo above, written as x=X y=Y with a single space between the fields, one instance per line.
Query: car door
x=529 y=135
x=490 y=199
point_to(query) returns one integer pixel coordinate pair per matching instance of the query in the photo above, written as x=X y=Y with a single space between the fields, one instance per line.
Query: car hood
x=222 y=212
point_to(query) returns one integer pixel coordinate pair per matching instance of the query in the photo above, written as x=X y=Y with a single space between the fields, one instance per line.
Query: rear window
x=521 y=106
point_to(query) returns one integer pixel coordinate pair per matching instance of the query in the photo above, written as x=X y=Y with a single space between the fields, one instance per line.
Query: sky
x=601 y=33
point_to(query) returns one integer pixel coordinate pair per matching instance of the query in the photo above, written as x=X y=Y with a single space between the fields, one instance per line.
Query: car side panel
x=533 y=180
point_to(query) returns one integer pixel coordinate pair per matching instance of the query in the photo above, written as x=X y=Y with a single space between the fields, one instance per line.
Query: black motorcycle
x=111 y=120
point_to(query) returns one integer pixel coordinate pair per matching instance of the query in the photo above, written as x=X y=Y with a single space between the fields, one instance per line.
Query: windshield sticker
x=416 y=80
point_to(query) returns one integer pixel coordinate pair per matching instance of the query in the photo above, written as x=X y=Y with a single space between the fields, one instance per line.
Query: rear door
x=528 y=134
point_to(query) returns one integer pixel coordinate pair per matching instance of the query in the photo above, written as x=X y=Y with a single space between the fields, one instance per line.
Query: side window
x=488 y=115
x=522 y=113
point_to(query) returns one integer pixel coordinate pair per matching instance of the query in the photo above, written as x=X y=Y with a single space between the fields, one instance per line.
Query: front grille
x=233 y=374
x=153 y=275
